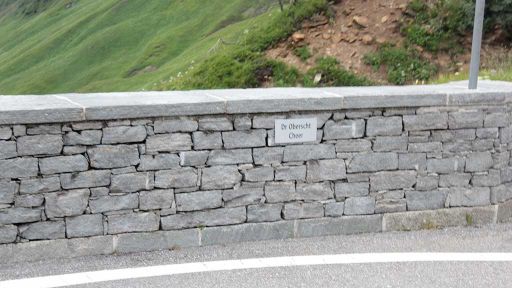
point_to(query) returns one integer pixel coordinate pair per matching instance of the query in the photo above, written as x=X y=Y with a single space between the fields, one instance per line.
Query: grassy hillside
x=114 y=45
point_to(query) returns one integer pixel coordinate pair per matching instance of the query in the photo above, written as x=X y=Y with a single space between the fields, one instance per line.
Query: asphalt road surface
x=456 y=257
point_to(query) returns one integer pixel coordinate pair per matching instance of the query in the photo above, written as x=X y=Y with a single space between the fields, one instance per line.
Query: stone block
x=247 y=232
x=243 y=123
x=334 y=209
x=216 y=217
x=5 y=133
x=244 y=139
x=220 y=177
x=160 y=240
x=114 y=203
x=169 y=143
x=133 y=222
x=156 y=199
x=373 y=162
x=7 y=192
x=359 y=206
x=8 y=149
x=298 y=210
x=84 y=226
x=245 y=194
x=501 y=193
x=465 y=119
x=455 y=180
x=205 y=140
x=475 y=196
x=384 y=126
x=264 y=212
x=454 y=135
x=390 y=143
x=392 y=180
x=267 y=156
x=390 y=206
x=427 y=183
x=277 y=192
x=345 y=129
x=344 y=190
x=428 y=121
x=47 y=230
x=176 y=178
x=113 y=156
x=29 y=201
x=90 y=125
x=487 y=133
x=497 y=120
x=288 y=173
x=124 y=134
x=314 y=192
x=194 y=158
x=506 y=135
x=479 y=161
x=412 y=161
x=63 y=164
x=66 y=203
x=345 y=225
x=175 y=125
x=355 y=145
x=133 y=182
x=490 y=179
x=215 y=124
x=446 y=165
x=266 y=121
x=73 y=150
x=227 y=157
x=19 y=168
x=19 y=215
x=198 y=200
x=159 y=162
x=425 y=200
x=429 y=147
x=504 y=212
x=39 y=145
x=321 y=170
x=259 y=174
x=8 y=234
x=87 y=179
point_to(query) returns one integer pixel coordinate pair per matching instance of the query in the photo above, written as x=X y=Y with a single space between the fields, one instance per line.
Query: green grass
x=111 y=45
x=330 y=73
x=303 y=53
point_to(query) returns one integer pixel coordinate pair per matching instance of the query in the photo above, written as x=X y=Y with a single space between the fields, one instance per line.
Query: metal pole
x=478 y=28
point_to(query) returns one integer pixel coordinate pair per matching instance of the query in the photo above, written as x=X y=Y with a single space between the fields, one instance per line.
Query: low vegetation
x=328 y=72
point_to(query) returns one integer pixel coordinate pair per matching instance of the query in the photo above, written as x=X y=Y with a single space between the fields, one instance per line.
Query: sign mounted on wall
x=295 y=130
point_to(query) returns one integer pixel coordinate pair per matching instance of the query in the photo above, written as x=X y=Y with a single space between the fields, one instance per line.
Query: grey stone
x=220 y=177
x=117 y=123
x=226 y=157
x=277 y=192
x=476 y=196
x=384 y=126
x=320 y=170
x=114 y=203
x=455 y=180
x=344 y=190
x=8 y=149
x=19 y=130
x=87 y=137
x=299 y=210
x=247 y=232
x=501 y=159
x=504 y=212
x=390 y=143
x=124 y=134
x=309 y=152
x=387 y=195
x=246 y=194
x=73 y=150
x=287 y=173
x=205 y=140
x=63 y=164
x=216 y=217
x=314 y=192
x=125 y=170
x=87 y=125
x=39 y=145
x=169 y=143
x=264 y=213
x=487 y=133
x=113 y=156
x=176 y=178
x=479 y=161
x=29 y=201
x=5 y=133
x=427 y=183
x=506 y=174
x=373 y=162
x=430 y=147
x=198 y=200
x=506 y=135
x=425 y=200
x=8 y=234
x=359 y=206
x=339 y=226
x=66 y=203
x=266 y=156
x=334 y=209
x=390 y=206
x=194 y=158
x=392 y=180
x=345 y=129
x=266 y=121
x=84 y=226
x=19 y=215
x=87 y=179
x=19 y=168
x=215 y=124
x=243 y=123
x=161 y=240
x=159 y=162
x=429 y=121
x=133 y=182
x=466 y=119
x=259 y=174
x=445 y=166
x=492 y=178
x=436 y=219
x=412 y=161
x=133 y=222
x=497 y=120
x=175 y=125
x=244 y=139
x=454 y=135
x=7 y=192
x=156 y=199
x=47 y=230
x=355 y=145
x=358 y=114
x=501 y=193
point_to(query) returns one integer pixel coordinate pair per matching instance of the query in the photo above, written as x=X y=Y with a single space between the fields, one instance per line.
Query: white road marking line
x=256 y=263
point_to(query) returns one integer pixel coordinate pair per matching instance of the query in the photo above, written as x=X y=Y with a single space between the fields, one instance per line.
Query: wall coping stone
x=34 y=109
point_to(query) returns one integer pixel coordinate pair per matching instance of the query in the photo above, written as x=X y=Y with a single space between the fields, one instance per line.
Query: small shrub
x=332 y=74
x=303 y=53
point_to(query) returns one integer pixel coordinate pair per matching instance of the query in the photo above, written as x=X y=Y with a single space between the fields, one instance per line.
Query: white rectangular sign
x=295 y=130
